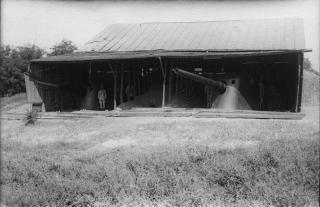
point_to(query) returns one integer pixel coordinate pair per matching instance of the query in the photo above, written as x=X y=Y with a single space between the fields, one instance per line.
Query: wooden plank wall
x=300 y=76
x=33 y=95
x=54 y=99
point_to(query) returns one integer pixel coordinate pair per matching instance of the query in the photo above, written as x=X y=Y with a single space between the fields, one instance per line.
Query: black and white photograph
x=161 y=103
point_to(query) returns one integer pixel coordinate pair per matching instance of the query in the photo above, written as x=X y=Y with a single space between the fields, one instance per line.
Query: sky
x=45 y=23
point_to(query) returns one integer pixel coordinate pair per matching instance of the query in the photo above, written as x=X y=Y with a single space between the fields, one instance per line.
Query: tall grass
x=278 y=173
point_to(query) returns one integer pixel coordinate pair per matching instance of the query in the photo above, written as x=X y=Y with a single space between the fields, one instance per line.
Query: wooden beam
x=177 y=84
x=139 y=81
x=164 y=74
x=246 y=114
x=295 y=97
x=142 y=82
x=114 y=72
x=129 y=80
x=170 y=85
x=180 y=82
x=121 y=85
x=134 y=81
x=185 y=86
x=90 y=73
x=299 y=82
x=188 y=85
x=147 y=81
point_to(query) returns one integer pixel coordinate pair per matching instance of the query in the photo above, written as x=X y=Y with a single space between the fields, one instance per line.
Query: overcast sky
x=44 y=23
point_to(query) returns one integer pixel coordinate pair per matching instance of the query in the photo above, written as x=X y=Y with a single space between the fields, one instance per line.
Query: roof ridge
x=208 y=21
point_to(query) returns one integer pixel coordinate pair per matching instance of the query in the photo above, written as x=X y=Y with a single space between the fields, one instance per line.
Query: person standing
x=129 y=92
x=102 y=96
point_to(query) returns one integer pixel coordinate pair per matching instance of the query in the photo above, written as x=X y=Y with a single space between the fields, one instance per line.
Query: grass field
x=160 y=161
x=13 y=102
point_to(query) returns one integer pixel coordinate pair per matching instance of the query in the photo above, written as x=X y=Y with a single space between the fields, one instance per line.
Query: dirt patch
x=151 y=98
x=124 y=142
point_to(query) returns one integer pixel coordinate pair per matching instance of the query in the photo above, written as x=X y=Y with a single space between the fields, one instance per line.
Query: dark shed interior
x=269 y=82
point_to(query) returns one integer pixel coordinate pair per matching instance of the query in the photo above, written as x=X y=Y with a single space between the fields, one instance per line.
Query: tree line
x=14 y=61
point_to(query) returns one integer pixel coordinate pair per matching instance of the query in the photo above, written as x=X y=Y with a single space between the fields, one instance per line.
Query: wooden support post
x=186 y=81
x=121 y=85
x=180 y=83
x=142 y=81
x=164 y=73
x=189 y=87
x=301 y=82
x=134 y=82
x=177 y=85
x=139 y=82
x=147 y=80
x=184 y=86
x=129 y=80
x=90 y=73
x=170 y=85
x=188 y=84
x=114 y=72
x=298 y=82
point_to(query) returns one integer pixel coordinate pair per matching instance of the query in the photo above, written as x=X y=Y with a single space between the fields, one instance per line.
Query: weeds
x=31 y=117
x=70 y=163
x=192 y=176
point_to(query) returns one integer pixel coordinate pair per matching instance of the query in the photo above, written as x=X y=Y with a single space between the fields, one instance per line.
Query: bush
x=31 y=117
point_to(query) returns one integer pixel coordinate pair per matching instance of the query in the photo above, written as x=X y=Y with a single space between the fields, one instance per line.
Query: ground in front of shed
x=158 y=161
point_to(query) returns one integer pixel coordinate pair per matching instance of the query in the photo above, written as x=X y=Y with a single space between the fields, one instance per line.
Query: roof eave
x=98 y=56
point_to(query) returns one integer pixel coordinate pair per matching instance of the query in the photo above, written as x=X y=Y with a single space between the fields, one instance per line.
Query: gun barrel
x=198 y=78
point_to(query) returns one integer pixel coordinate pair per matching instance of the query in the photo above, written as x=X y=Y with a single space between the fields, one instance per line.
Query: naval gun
x=219 y=85
x=229 y=98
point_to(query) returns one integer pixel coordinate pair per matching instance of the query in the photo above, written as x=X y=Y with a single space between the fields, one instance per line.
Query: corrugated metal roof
x=264 y=34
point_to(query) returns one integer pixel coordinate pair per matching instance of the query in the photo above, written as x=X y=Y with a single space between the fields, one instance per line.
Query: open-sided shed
x=241 y=64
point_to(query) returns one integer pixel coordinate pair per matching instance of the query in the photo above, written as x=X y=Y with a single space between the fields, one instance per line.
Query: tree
x=13 y=63
x=64 y=47
x=29 y=53
x=308 y=66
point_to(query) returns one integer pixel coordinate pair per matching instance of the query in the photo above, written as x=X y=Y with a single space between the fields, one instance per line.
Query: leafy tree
x=13 y=63
x=64 y=47
x=308 y=66
x=29 y=53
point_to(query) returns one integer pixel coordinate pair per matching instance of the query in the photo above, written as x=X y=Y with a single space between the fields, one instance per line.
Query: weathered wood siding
x=33 y=95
